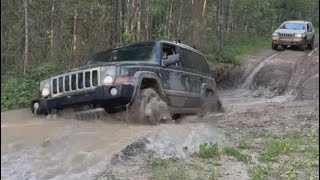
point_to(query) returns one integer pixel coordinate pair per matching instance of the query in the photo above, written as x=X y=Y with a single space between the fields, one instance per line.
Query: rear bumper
x=98 y=96
x=293 y=41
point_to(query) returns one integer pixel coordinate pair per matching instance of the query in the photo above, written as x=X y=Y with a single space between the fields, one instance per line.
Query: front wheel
x=311 y=45
x=149 y=108
x=302 y=46
x=274 y=46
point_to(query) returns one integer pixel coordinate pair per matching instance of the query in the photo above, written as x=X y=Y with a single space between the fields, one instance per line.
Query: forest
x=41 y=38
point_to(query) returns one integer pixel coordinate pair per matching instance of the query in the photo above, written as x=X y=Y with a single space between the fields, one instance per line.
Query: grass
x=299 y=150
x=175 y=174
x=158 y=162
x=259 y=172
x=237 y=154
x=209 y=150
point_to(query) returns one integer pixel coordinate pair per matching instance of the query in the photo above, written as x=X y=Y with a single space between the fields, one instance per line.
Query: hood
x=88 y=66
x=289 y=31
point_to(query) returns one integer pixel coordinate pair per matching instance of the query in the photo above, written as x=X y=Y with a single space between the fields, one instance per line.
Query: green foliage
x=237 y=154
x=158 y=162
x=17 y=92
x=275 y=147
x=176 y=174
x=44 y=71
x=209 y=150
x=233 y=51
x=259 y=172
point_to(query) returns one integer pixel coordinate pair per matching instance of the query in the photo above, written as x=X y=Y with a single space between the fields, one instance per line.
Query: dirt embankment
x=272 y=73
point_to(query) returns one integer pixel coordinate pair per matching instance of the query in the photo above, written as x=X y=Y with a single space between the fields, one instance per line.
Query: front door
x=173 y=79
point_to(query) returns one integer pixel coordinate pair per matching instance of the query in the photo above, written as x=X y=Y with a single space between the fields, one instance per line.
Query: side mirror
x=172 y=59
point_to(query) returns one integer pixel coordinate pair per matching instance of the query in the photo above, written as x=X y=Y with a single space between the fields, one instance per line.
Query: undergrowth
x=17 y=91
x=234 y=50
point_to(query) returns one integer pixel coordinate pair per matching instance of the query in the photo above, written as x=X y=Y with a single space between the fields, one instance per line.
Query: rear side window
x=187 y=59
x=194 y=61
x=202 y=65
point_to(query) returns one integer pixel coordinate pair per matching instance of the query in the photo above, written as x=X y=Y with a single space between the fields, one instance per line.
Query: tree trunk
x=56 y=30
x=26 y=38
x=180 y=17
x=170 y=20
x=204 y=8
x=222 y=21
x=77 y=40
x=3 y=38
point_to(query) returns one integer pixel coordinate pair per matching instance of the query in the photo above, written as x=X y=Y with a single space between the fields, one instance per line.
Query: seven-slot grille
x=75 y=81
x=285 y=35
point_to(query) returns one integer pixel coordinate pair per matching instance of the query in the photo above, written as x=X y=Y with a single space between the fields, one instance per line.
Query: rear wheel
x=211 y=104
x=311 y=45
x=149 y=108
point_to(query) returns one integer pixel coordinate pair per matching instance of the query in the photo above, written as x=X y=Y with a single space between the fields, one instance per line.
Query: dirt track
x=272 y=90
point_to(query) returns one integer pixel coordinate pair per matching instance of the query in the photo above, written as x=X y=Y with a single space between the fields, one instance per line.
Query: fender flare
x=204 y=87
x=137 y=80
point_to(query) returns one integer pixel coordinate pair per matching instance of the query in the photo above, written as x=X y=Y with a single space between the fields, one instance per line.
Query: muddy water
x=40 y=148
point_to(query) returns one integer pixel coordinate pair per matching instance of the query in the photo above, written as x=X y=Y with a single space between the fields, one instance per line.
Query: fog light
x=36 y=105
x=113 y=91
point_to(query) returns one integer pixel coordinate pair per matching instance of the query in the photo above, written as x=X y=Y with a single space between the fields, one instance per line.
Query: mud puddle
x=38 y=148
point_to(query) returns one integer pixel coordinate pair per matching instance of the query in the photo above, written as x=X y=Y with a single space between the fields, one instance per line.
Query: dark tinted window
x=187 y=59
x=202 y=65
x=139 y=52
x=194 y=61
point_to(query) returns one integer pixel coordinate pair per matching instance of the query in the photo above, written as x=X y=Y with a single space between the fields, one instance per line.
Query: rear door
x=192 y=78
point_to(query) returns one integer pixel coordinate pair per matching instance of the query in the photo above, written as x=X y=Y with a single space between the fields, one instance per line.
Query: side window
x=202 y=64
x=166 y=51
x=309 y=27
x=187 y=59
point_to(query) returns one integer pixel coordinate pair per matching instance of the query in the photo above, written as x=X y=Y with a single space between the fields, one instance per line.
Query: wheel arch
x=145 y=79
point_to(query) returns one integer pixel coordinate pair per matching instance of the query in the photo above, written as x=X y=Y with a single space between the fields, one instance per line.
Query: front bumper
x=288 y=42
x=98 y=96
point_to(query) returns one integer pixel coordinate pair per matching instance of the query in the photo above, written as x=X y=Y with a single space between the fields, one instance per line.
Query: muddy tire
x=311 y=45
x=302 y=46
x=211 y=105
x=148 y=108
x=274 y=46
x=177 y=118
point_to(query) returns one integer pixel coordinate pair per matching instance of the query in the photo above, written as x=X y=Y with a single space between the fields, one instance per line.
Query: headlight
x=299 y=35
x=275 y=34
x=107 y=74
x=45 y=87
x=45 y=92
x=108 y=80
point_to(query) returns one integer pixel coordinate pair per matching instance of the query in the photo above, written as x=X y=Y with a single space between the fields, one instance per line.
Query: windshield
x=296 y=26
x=138 y=52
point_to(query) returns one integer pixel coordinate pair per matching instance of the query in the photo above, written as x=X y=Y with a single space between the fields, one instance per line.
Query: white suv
x=294 y=33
